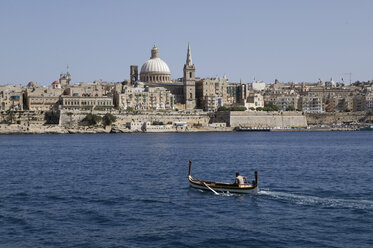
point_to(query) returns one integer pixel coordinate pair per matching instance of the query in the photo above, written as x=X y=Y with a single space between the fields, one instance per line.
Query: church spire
x=189 y=56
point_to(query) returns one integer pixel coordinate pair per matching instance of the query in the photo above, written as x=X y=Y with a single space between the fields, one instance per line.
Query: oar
x=216 y=193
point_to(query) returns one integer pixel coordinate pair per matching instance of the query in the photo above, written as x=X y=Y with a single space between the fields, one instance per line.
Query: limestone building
x=11 y=98
x=43 y=98
x=87 y=102
x=140 y=97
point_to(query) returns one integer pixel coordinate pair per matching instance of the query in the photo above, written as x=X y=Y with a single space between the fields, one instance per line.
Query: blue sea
x=131 y=190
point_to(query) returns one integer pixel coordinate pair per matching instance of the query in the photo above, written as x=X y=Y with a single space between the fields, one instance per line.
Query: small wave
x=219 y=193
x=315 y=200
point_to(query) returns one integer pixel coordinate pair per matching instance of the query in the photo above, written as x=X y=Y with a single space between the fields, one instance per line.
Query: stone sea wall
x=337 y=118
x=63 y=121
x=197 y=118
x=262 y=119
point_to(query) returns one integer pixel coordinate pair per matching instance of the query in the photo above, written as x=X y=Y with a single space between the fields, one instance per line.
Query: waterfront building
x=42 y=98
x=359 y=103
x=311 y=103
x=84 y=96
x=210 y=93
x=144 y=98
x=45 y=102
x=86 y=102
x=11 y=98
x=96 y=89
x=284 y=100
x=336 y=103
x=369 y=102
x=254 y=100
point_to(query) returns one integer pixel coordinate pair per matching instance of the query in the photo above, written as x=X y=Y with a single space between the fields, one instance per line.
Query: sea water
x=131 y=190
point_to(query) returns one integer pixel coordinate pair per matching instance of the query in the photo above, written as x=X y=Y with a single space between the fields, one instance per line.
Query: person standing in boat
x=240 y=179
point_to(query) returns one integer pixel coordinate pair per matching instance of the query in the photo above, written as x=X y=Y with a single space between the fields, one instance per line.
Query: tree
x=158 y=123
x=223 y=108
x=91 y=120
x=271 y=107
x=52 y=117
x=234 y=108
x=108 y=119
x=290 y=108
x=11 y=117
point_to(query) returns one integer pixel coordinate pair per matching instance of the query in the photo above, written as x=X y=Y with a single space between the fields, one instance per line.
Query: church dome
x=155 y=65
x=155 y=70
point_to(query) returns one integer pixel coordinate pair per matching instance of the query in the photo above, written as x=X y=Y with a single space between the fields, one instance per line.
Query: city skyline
x=289 y=41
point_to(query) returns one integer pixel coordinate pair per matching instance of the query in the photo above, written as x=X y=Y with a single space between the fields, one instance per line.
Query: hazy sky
x=289 y=40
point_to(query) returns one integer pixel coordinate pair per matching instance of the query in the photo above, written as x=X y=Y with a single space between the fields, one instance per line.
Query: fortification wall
x=71 y=118
x=24 y=118
x=337 y=118
x=263 y=119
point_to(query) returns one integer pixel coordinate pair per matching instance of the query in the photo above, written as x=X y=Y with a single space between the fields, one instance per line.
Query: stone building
x=359 y=103
x=65 y=79
x=210 y=93
x=11 y=98
x=96 y=89
x=84 y=96
x=43 y=98
x=87 y=102
x=369 y=102
x=254 y=100
x=144 y=98
x=286 y=101
x=311 y=103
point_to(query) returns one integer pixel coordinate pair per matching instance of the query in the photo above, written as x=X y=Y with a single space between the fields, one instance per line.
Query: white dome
x=155 y=65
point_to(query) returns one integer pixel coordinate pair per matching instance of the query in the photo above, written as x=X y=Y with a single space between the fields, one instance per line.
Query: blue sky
x=288 y=40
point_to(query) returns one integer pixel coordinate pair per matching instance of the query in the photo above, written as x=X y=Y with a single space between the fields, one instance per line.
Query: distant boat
x=368 y=128
x=224 y=187
x=252 y=129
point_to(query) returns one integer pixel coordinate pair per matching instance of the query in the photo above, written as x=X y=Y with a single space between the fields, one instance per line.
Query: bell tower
x=134 y=72
x=189 y=82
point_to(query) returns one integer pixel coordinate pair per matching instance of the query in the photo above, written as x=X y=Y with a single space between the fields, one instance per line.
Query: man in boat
x=240 y=179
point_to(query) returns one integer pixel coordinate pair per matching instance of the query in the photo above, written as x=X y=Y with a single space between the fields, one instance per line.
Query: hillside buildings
x=154 y=89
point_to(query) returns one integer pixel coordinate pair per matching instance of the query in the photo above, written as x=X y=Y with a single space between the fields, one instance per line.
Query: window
x=190 y=74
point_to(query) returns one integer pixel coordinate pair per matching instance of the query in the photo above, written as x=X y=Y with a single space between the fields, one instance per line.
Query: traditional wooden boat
x=217 y=187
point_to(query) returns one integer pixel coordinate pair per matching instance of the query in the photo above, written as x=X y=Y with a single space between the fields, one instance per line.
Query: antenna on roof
x=67 y=68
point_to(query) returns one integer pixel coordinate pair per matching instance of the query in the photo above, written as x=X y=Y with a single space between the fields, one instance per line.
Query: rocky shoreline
x=55 y=129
